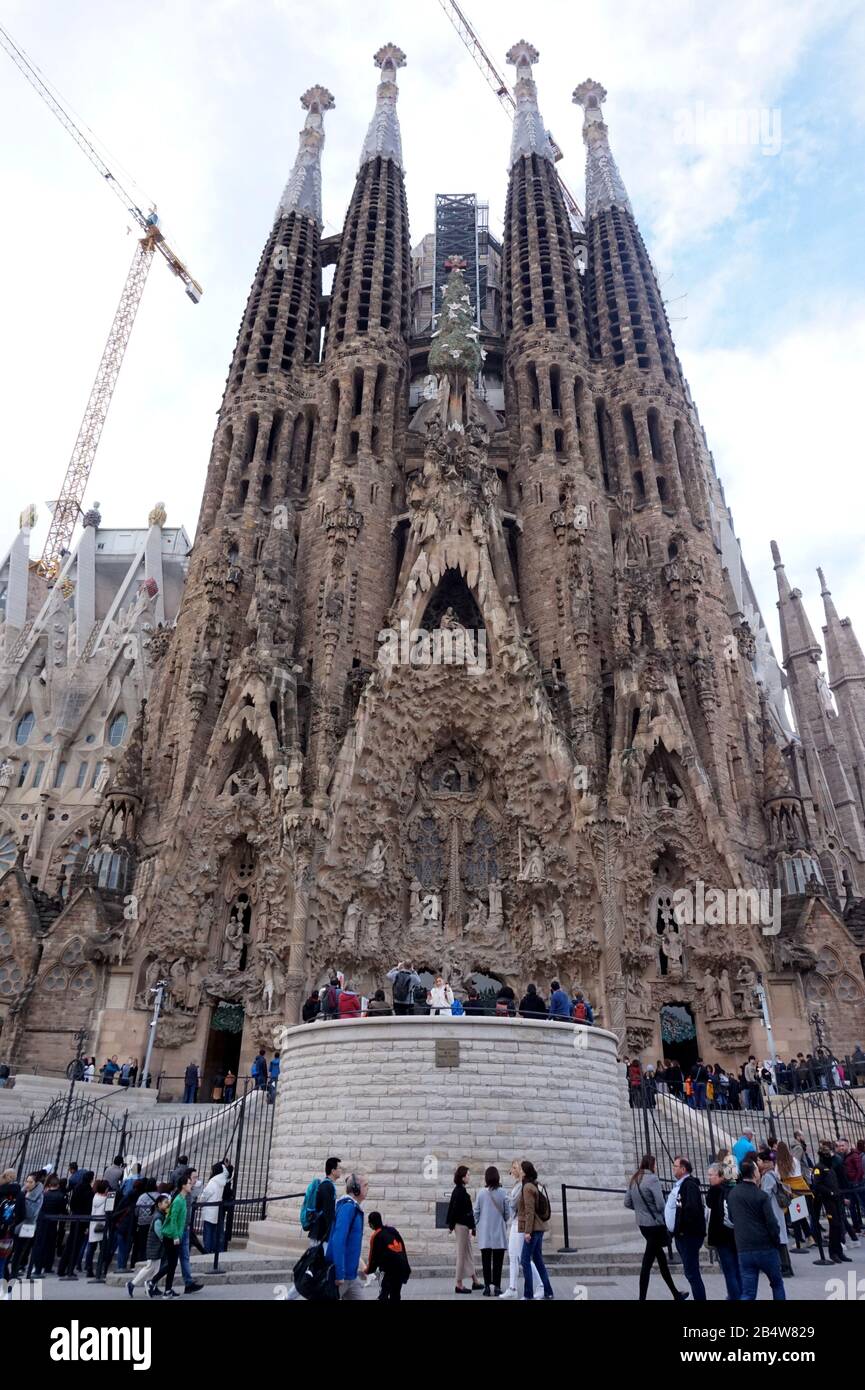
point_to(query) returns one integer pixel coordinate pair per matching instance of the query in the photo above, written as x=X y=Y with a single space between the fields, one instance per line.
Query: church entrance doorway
x=223 y=1047
x=679 y=1035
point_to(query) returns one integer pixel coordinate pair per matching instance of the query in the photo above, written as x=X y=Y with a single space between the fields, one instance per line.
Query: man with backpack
x=319 y=1203
x=405 y=981
x=387 y=1253
x=330 y=999
x=343 y=1248
x=582 y=1011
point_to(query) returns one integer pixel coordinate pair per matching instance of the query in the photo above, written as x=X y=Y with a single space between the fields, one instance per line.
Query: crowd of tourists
x=410 y=996
x=757 y=1203
x=746 y=1086
x=81 y=1223
x=496 y=1222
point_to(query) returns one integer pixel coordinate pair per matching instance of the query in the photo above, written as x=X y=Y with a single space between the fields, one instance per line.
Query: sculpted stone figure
x=372 y=931
x=539 y=929
x=178 y=982
x=558 y=928
x=671 y=943
x=273 y=979
x=494 y=893
x=376 y=860
x=725 y=995
x=234 y=941
x=710 y=995
x=533 y=865
x=350 y=923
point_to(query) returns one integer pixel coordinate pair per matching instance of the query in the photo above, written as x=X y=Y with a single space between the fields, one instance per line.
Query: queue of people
x=82 y=1223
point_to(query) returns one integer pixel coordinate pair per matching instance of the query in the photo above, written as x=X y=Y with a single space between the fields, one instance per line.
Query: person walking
x=532 y=1004
x=96 y=1229
x=533 y=1218
x=646 y=1200
x=191 y=1081
x=686 y=1220
x=560 y=1003
x=827 y=1196
x=173 y=1229
x=491 y=1212
x=780 y=1198
x=258 y=1070
x=460 y=1222
x=757 y=1234
x=273 y=1077
x=720 y=1235
x=154 y=1247
x=387 y=1253
x=213 y=1216
x=440 y=997
x=405 y=981
x=343 y=1248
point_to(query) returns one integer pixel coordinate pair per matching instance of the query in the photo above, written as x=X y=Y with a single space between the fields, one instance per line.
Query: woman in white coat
x=440 y=997
x=213 y=1192
x=515 y=1240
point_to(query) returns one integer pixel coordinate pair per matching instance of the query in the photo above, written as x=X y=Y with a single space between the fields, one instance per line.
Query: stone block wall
x=369 y=1091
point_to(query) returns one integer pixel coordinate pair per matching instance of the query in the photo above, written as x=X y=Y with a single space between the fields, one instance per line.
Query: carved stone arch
x=662 y=784
x=240 y=761
x=452 y=592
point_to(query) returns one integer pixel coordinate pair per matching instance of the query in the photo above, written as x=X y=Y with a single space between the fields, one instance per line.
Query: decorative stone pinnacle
x=383 y=139
x=776 y=554
x=389 y=56
x=824 y=587
x=530 y=134
x=604 y=186
x=317 y=99
x=522 y=54
x=302 y=193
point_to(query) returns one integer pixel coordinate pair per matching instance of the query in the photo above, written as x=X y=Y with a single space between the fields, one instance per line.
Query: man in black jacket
x=827 y=1194
x=685 y=1204
x=758 y=1237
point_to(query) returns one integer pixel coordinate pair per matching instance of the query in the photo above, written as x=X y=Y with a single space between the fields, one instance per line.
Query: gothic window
x=84 y=982
x=56 y=979
x=8 y=852
x=117 y=730
x=74 y=953
x=481 y=862
x=11 y=978
x=25 y=727
x=827 y=962
x=429 y=854
x=818 y=990
x=848 y=990
x=5 y=942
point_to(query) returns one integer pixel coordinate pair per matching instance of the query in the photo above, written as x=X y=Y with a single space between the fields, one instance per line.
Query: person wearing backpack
x=780 y=1197
x=582 y=1011
x=387 y=1253
x=173 y=1230
x=154 y=1248
x=646 y=1200
x=533 y=1218
x=346 y=1239
x=319 y=1203
x=330 y=999
x=720 y=1235
x=405 y=981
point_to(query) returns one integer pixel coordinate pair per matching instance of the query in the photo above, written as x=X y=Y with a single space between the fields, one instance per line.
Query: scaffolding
x=456 y=234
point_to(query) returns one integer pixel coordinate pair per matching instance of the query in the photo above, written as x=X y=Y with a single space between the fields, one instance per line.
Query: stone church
x=466 y=669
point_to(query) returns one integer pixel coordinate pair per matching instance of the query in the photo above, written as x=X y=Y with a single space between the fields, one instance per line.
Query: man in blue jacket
x=346 y=1239
x=560 y=1002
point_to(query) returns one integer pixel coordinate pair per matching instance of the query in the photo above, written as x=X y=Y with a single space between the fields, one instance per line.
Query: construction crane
x=67 y=507
x=500 y=88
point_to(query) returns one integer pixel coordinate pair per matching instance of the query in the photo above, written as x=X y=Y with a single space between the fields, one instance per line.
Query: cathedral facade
x=467 y=670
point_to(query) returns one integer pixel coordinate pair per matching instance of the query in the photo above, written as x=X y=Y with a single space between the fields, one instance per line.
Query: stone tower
x=478 y=680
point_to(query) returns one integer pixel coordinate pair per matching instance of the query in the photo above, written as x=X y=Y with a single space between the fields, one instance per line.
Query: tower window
x=37 y=776
x=117 y=730
x=60 y=774
x=22 y=776
x=82 y=775
x=25 y=727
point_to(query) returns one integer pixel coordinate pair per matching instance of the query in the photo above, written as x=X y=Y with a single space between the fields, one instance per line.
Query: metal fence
x=90 y=1134
x=669 y=1125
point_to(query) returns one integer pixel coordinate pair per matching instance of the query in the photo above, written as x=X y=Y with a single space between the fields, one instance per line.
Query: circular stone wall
x=404 y=1100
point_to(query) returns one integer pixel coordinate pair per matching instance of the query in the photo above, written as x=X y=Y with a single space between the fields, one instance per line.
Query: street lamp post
x=159 y=992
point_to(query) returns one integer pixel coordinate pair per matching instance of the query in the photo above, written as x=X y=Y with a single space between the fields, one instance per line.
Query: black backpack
x=400 y=987
x=543 y=1210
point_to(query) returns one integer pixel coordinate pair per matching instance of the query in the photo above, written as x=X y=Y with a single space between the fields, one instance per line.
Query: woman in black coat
x=461 y=1223
x=45 y=1242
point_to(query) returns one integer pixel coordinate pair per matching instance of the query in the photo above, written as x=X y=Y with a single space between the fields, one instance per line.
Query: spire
x=530 y=135
x=383 y=137
x=844 y=655
x=604 y=186
x=797 y=636
x=302 y=193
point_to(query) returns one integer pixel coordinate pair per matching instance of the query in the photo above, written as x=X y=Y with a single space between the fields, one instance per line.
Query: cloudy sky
x=739 y=130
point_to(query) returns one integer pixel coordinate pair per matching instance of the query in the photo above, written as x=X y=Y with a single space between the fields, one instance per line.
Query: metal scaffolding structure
x=456 y=234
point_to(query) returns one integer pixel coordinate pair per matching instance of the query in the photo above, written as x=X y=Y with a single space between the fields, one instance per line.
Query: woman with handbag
x=96 y=1229
x=28 y=1205
x=646 y=1200
x=461 y=1223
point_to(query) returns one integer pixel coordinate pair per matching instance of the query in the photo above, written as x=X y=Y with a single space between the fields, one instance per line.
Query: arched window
x=25 y=727
x=8 y=852
x=117 y=730
x=481 y=862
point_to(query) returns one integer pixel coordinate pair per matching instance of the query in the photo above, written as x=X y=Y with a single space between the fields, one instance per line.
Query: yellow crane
x=67 y=507
x=500 y=88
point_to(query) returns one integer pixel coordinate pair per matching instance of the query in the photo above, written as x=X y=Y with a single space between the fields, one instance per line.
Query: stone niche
x=395 y=1099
